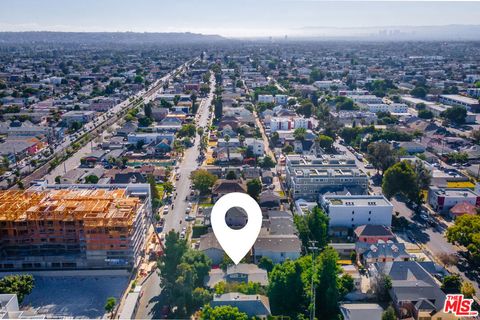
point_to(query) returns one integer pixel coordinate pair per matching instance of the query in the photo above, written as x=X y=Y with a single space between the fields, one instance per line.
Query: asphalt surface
x=150 y=303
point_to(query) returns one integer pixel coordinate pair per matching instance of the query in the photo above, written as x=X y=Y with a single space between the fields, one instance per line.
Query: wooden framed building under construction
x=69 y=227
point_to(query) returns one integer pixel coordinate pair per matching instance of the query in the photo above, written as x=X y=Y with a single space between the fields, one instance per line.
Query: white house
x=266 y=98
x=301 y=123
x=257 y=146
x=352 y=211
x=398 y=108
x=377 y=107
x=278 y=124
x=281 y=99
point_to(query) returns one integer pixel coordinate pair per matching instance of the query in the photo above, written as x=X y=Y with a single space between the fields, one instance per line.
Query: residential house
x=373 y=234
x=253 y=305
x=242 y=272
x=381 y=251
x=361 y=311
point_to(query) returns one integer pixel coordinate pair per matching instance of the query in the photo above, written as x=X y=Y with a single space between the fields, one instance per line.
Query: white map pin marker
x=236 y=243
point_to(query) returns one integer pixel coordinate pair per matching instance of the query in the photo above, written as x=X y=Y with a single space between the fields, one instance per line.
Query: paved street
x=175 y=219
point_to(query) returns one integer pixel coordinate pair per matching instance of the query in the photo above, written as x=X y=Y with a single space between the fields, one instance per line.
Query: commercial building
x=78 y=116
x=308 y=176
x=353 y=211
x=74 y=226
x=457 y=100
x=443 y=199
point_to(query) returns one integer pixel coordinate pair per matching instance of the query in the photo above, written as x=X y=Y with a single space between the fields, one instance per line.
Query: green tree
x=401 y=179
x=468 y=290
x=187 y=130
x=300 y=134
x=91 y=179
x=452 y=284
x=254 y=188
x=425 y=114
x=423 y=176
x=267 y=163
x=312 y=226
x=201 y=264
x=345 y=284
x=380 y=155
x=287 y=277
x=218 y=107
x=274 y=138
x=203 y=180
x=325 y=142
x=328 y=295
x=419 y=92
x=147 y=108
x=389 y=314
x=200 y=297
x=21 y=285
x=466 y=232
x=110 y=304
x=222 y=313
x=231 y=175
x=168 y=264
x=266 y=264
x=455 y=114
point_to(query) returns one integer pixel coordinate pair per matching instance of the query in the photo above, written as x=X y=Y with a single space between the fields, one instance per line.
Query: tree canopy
x=222 y=313
x=401 y=179
x=312 y=226
x=455 y=114
x=466 y=232
x=203 y=180
x=254 y=188
x=19 y=284
x=381 y=155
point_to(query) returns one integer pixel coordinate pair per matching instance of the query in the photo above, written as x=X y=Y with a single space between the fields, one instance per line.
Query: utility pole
x=313 y=247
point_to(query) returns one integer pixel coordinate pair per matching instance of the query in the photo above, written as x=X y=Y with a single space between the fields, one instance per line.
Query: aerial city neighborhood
x=364 y=159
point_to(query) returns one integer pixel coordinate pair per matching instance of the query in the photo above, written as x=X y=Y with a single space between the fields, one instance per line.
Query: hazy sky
x=227 y=17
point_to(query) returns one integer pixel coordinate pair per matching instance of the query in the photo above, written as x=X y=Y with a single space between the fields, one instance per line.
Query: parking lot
x=74 y=296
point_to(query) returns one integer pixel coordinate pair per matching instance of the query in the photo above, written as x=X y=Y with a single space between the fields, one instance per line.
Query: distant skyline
x=245 y=18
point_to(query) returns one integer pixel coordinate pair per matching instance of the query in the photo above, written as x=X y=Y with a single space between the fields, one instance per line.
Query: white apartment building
x=301 y=123
x=281 y=99
x=378 y=107
x=368 y=98
x=354 y=211
x=280 y=124
x=462 y=101
x=257 y=146
x=266 y=98
x=398 y=108
x=308 y=176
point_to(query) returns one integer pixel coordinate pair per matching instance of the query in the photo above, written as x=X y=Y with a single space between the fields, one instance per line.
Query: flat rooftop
x=357 y=201
x=453 y=192
x=461 y=98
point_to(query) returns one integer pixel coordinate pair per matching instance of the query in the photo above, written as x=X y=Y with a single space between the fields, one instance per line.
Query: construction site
x=73 y=227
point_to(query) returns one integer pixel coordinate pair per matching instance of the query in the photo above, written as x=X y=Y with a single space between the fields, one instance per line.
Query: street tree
x=452 y=284
x=312 y=226
x=203 y=180
x=455 y=114
x=381 y=155
x=110 y=304
x=222 y=313
x=401 y=179
x=254 y=188
x=468 y=290
x=267 y=163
